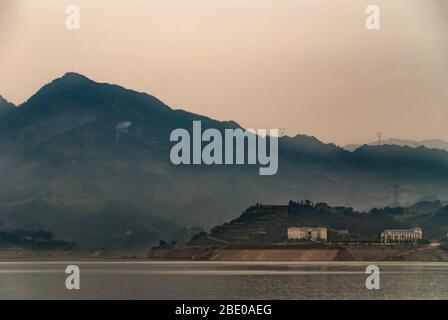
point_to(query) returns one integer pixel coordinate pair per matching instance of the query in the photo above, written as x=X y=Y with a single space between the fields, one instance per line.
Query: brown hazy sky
x=309 y=66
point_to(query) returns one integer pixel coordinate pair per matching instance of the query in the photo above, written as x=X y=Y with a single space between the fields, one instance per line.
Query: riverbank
x=306 y=253
x=21 y=254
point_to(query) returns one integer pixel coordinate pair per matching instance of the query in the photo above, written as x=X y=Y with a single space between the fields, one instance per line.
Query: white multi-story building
x=307 y=233
x=402 y=235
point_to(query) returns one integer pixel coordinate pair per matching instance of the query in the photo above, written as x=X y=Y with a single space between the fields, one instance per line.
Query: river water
x=218 y=280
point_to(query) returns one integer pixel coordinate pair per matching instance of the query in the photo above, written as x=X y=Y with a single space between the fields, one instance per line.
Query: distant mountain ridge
x=430 y=144
x=65 y=168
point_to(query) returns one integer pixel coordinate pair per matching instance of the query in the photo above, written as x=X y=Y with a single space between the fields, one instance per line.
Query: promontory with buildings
x=307 y=231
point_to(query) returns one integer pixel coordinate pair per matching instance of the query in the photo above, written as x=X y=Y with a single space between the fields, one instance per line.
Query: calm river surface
x=217 y=280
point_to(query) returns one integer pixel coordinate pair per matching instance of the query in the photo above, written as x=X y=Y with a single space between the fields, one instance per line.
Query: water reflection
x=210 y=280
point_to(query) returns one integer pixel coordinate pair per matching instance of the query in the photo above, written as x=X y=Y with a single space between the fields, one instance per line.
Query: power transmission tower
x=379 y=135
x=281 y=131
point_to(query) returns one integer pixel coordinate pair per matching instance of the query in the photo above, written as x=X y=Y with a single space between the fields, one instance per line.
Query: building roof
x=306 y=227
x=403 y=230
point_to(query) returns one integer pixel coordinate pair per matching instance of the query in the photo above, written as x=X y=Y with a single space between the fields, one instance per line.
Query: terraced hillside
x=258 y=224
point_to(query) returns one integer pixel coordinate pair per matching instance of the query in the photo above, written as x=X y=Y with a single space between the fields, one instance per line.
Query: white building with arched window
x=307 y=233
x=409 y=235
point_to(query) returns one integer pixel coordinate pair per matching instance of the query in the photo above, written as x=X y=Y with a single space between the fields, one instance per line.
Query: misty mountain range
x=90 y=162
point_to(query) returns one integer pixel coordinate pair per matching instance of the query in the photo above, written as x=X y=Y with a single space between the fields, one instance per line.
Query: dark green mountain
x=90 y=162
x=5 y=106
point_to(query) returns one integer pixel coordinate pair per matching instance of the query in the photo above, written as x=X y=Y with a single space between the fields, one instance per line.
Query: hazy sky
x=309 y=66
